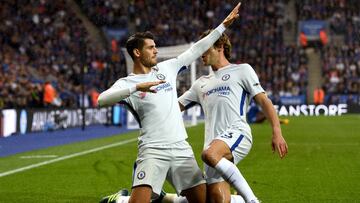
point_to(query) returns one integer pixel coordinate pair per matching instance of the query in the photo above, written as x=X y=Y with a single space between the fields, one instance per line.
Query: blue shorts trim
x=236 y=143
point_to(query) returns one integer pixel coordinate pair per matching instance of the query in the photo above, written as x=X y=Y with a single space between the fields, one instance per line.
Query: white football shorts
x=176 y=164
x=240 y=145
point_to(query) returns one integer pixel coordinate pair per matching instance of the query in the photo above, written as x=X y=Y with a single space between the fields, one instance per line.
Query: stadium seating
x=341 y=64
x=42 y=41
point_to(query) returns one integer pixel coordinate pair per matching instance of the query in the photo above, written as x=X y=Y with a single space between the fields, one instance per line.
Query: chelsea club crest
x=141 y=175
x=160 y=76
x=225 y=77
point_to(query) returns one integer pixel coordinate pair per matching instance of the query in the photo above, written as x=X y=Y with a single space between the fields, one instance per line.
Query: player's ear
x=136 y=52
x=220 y=48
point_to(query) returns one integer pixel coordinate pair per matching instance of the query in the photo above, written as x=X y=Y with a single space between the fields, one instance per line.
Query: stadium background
x=57 y=56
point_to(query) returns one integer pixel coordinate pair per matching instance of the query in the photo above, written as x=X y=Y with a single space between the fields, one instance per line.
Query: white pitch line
x=39 y=156
x=65 y=157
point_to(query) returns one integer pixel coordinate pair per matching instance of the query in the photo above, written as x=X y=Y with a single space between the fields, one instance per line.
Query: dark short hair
x=136 y=41
x=223 y=40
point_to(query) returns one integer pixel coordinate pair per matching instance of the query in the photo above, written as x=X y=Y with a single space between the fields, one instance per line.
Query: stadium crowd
x=341 y=64
x=257 y=39
x=43 y=41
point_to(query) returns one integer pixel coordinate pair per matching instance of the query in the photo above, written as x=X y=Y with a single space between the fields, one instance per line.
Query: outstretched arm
x=116 y=94
x=278 y=141
x=204 y=44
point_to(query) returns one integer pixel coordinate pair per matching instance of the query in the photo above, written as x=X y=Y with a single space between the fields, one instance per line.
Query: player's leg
x=149 y=174
x=173 y=198
x=185 y=174
x=219 y=155
x=194 y=194
x=141 y=194
x=218 y=192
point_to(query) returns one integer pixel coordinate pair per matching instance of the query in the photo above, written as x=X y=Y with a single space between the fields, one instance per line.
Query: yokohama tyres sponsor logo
x=223 y=90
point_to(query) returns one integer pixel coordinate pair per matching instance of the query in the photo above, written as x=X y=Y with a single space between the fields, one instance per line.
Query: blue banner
x=312 y=28
x=293 y=100
x=117 y=34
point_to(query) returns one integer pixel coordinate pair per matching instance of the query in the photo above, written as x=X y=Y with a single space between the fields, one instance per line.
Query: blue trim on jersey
x=181 y=69
x=132 y=110
x=191 y=104
x=236 y=144
x=134 y=169
x=242 y=102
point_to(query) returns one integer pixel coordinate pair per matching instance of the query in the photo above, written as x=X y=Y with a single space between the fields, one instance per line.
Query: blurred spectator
x=50 y=95
x=94 y=97
x=319 y=96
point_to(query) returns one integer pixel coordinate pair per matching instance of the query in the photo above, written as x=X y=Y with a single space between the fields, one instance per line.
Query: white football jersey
x=158 y=113
x=224 y=96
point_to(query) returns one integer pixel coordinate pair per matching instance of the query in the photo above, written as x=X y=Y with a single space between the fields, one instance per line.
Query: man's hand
x=279 y=144
x=147 y=86
x=232 y=16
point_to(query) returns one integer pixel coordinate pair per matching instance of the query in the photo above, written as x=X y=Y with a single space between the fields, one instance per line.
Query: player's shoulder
x=205 y=78
x=242 y=66
x=166 y=64
x=201 y=81
x=240 y=69
x=130 y=79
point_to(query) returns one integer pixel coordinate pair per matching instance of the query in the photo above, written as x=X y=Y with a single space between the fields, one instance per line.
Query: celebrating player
x=225 y=96
x=163 y=152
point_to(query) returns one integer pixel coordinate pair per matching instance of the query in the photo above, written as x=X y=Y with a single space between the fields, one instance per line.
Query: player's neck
x=139 y=68
x=222 y=63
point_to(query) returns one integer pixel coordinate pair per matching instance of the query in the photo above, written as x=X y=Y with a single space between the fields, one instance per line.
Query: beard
x=148 y=62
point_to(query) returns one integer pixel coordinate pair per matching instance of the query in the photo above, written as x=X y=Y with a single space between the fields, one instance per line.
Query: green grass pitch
x=323 y=165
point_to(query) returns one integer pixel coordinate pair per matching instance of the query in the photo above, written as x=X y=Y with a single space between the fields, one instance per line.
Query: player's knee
x=196 y=194
x=217 y=196
x=209 y=157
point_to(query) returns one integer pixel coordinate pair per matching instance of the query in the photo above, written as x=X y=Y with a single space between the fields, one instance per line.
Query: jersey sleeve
x=197 y=49
x=120 y=90
x=251 y=81
x=189 y=98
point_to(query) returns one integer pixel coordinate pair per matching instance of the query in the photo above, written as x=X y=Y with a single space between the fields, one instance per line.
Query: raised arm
x=115 y=94
x=278 y=141
x=204 y=44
